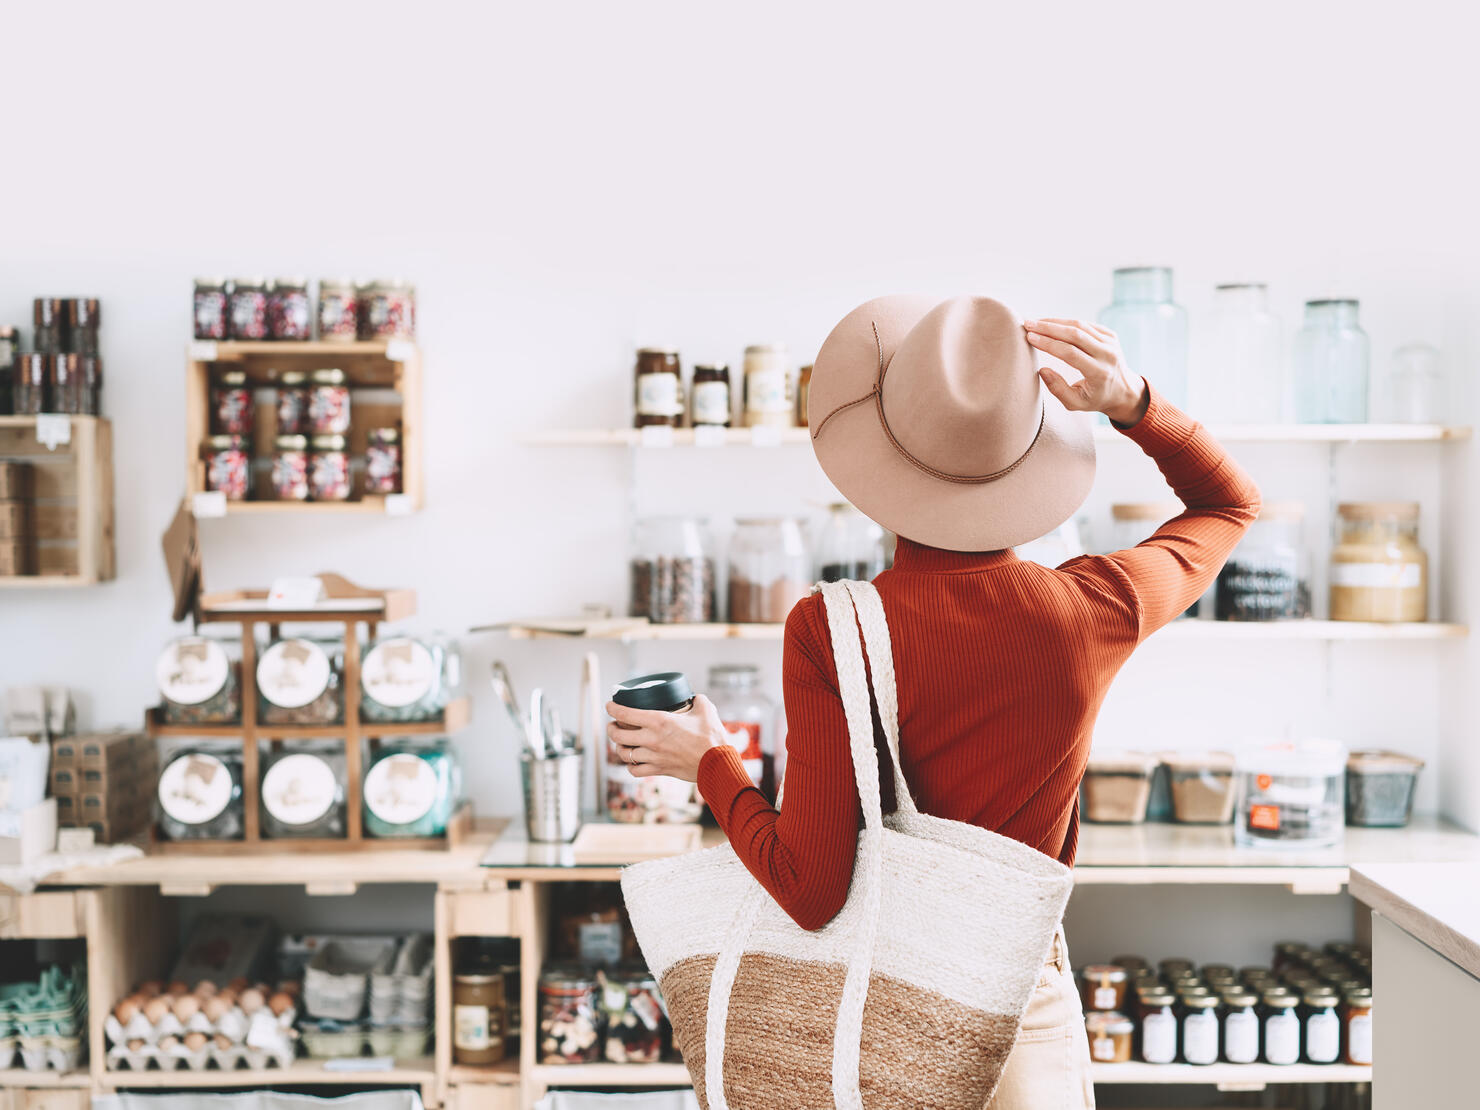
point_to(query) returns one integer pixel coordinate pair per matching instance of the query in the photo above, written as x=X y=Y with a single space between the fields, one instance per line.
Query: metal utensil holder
x=552 y=795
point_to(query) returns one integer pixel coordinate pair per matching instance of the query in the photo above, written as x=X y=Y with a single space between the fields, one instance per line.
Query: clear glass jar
x=289 y=316
x=1332 y=357
x=1117 y=787
x=658 y=388
x=48 y=337
x=290 y=468
x=200 y=794
x=1241 y=377
x=228 y=466
x=1152 y=328
x=709 y=399
x=387 y=310
x=28 y=374
x=83 y=320
x=1378 y=570
x=1415 y=391
x=338 y=311
x=210 y=308
x=770 y=569
x=1199 y=1029
x=637 y=1030
x=303 y=791
x=768 y=396
x=301 y=682
x=383 y=460
x=1240 y=1026
x=292 y=404
x=749 y=719
x=1202 y=793
x=412 y=788
x=1266 y=578
x=672 y=571
x=1289 y=795
x=199 y=681
x=247 y=317
x=64 y=388
x=1158 y=1026
x=571 y=1025
x=851 y=546
x=231 y=404
x=328 y=469
x=328 y=403
x=1281 y=1027
x=405 y=678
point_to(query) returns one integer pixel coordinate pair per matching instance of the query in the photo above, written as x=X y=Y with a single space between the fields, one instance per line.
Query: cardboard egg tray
x=261 y=1040
x=53 y=1053
x=42 y=1023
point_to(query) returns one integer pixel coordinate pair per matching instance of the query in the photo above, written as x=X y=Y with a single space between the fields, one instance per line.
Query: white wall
x=564 y=181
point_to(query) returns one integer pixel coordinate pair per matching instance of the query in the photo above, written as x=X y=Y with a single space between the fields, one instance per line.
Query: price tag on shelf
x=398 y=504
x=399 y=350
x=765 y=435
x=211 y=503
x=359 y=1063
x=52 y=430
x=709 y=435
x=656 y=435
x=203 y=350
x=295 y=593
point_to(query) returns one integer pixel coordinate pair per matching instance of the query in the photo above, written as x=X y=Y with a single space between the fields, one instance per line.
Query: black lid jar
x=668 y=692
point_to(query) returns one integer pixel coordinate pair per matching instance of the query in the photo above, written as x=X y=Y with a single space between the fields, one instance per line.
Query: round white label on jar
x=191 y=670
x=292 y=673
x=194 y=788
x=299 y=789
x=398 y=672
x=401 y=789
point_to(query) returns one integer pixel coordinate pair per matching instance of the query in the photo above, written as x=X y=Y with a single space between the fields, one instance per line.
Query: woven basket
x=914 y=1006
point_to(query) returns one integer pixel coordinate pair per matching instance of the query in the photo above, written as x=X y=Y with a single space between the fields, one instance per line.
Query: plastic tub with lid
x=1290 y=794
x=1379 y=788
x=1117 y=787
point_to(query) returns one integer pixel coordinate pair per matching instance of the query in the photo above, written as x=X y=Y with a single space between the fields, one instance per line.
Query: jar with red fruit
x=247 y=318
x=231 y=404
x=290 y=468
x=328 y=403
x=288 y=314
x=338 y=310
x=387 y=310
x=328 y=469
x=228 y=466
x=383 y=460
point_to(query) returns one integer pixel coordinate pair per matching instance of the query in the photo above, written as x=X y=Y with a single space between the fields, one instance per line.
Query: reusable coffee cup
x=667 y=692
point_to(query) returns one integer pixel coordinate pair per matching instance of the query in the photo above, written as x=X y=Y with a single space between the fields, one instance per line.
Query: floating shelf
x=504 y=1074
x=71 y=521
x=20 y=1077
x=392 y=504
x=611 y=1075
x=1230 y=1077
x=404 y=1073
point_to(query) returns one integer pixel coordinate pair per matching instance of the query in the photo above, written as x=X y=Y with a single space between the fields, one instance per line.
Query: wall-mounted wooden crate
x=71 y=505
x=384 y=378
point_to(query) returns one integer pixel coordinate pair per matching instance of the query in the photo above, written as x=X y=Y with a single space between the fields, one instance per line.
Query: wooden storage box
x=71 y=516
x=15 y=481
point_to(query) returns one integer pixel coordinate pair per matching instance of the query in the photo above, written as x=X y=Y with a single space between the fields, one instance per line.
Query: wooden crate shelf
x=72 y=515
x=454 y=718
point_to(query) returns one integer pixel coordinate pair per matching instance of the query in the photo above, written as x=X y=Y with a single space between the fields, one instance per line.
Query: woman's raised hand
x=1107 y=386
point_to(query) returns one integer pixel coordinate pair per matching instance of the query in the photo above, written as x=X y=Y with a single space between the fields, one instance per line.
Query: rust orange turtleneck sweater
x=1002 y=665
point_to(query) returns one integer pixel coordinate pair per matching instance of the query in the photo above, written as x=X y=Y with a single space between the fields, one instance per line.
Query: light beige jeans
x=1048 y=1068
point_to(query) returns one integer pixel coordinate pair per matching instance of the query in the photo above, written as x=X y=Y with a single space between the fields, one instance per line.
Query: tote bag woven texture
x=910 y=997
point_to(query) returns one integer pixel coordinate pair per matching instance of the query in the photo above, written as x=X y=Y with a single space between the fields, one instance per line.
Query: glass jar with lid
x=1289 y=794
x=1281 y=1027
x=247 y=308
x=289 y=316
x=303 y=791
x=709 y=399
x=200 y=793
x=768 y=396
x=1158 y=1027
x=1415 y=389
x=1266 y=578
x=228 y=466
x=490 y=957
x=1322 y=1026
x=412 y=788
x=1240 y=1026
x=1103 y=986
x=851 y=547
x=1152 y=328
x=387 y=309
x=199 y=680
x=328 y=469
x=383 y=460
x=479 y=1016
x=672 y=571
x=290 y=468
x=338 y=310
x=1378 y=570
x=408 y=678
x=292 y=403
x=300 y=681
x=657 y=388
x=83 y=319
x=231 y=404
x=328 y=403
x=210 y=309
x=1242 y=376
x=637 y=1030
x=1332 y=357
x=749 y=720
x=64 y=389
x=571 y=1026
x=49 y=336
x=1110 y=1035
x=1199 y=1029
x=29 y=377
x=1357 y=1026
x=770 y=569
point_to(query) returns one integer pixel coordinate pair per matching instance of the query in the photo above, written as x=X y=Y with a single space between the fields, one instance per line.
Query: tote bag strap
x=881 y=669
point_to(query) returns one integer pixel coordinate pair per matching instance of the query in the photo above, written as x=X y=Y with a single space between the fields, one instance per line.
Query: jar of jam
x=29 y=375
x=1103 y=987
x=231 y=404
x=81 y=319
x=479 y=1017
x=570 y=1021
x=211 y=311
x=328 y=403
x=328 y=469
x=292 y=403
x=64 y=392
x=709 y=399
x=48 y=316
x=804 y=389
x=288 y=313
x=1171 y=967
x=1158 y=1027
x=387 y=310
x=290 y=468
x=383 y=460
x=338 y=310
x=1281 y=1027
x=1357 y=1026
x=1322 y=1026
x=1109 y=1036
x=228 y=466
x=1240 y=1026
x=768 y=397
x=247 y=309
x=1199 y=1029
x=658 y=392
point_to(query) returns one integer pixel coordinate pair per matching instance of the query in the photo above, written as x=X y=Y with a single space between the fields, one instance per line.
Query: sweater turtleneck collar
x=915 y=558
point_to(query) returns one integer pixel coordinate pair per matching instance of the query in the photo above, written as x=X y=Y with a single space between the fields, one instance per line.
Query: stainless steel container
x=552 y=795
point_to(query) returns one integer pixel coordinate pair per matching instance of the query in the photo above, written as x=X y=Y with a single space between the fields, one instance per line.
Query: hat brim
x=1044 y=491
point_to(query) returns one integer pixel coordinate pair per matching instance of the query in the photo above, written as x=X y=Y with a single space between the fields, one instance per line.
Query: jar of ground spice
x=710 y=397
x=1378 y=570
x=657 y=388
x=770 y=569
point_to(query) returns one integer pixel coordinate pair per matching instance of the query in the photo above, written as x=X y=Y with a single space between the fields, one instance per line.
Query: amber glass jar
x=709 y=399
x=804 y=388
x=1378 y=571
x=1357 y=1026
x=658 y=388
x=479 y=1018
x=1103 y=987
x=1109 y=1037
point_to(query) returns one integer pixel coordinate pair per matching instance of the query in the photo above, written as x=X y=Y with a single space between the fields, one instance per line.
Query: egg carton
x=401 y=984
x=337 y=978
x=41 y=1053
x=174 y=1055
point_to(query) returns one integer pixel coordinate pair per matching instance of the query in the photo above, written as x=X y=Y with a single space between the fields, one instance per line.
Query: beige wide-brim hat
x=931 y=419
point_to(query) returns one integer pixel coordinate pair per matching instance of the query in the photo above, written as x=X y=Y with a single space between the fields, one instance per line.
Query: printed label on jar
x=1359 y=1039
x=1322 y=1038
x=1381 y=576
x=711 y=403
x=1264 y=817
x=1105 y=998
x=1241 y=1037
x=765 y=391
x=745 y=738
x=657 y=395
x=1159 y=1038
x=194 y=789
x=401 y=789
x=191 y=670
x=1281 y=1039
x=1102 y=1048
x=292 y=673
x=470 y=1028
x=1200 y=1038
x=398 y=672
x=600 y=942
x=299 y=789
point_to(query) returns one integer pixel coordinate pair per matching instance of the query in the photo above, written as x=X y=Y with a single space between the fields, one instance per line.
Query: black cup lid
x=664 y=691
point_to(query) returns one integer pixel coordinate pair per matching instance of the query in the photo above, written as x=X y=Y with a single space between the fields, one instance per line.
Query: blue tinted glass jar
x=1152 y=328
x=1332 y=364
x=412 y=788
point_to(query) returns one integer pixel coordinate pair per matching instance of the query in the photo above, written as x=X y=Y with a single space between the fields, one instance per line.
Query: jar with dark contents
x=328 y=469
x=92 y=385
x=710 y=404
x=81 y=317
x=64 y=390
x=328 y=403
x=231 y=404
x=50 y=335
x=570 y=1021
x=672 y=571
x=1200 y=1029
x=1103 y=986
x=387 y=310
x=338 y=310
x=656 y=799
x=211 y=310
x=636 y=1028
x=292 y=403
x=290 y=468
x=29 y=375
x=247 y=316
x=1321 y=1033
x=228 y=466
x=657 y=388
x=1281 y=1027
x=1240 y=1034
x=289 y=316
x=1110 y=1036
x=383 y=460
x=1265 y=579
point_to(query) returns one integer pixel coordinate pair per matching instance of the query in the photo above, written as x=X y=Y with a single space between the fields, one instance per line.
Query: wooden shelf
x=36 y=1080
x=454 y=718
x=505 y=1074
x=1229 y=1077
x=611 y=1075
x=372 y=504
x=42 y=581
x=230 y=350
x=301 y=1072
x=71 y=521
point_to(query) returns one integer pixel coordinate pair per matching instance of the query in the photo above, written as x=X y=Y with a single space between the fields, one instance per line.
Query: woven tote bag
x=911 y=997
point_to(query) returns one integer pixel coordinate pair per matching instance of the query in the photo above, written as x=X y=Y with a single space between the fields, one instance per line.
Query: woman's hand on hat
x=659 y=743
x=1107 y=384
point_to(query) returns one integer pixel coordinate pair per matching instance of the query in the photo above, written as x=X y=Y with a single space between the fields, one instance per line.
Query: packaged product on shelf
x=1380 y=787
x=658 y=799
x=1378 y=570
x=49 y=337
x=1109 y=1036
x=303 y=791
x=292 y=403
x=636 y=1027
x=851 y=546
x=1201 y=785
x=709 y=399
x=1357 y=1026
x=768 y=397
x=1117 y=786
x=495 y=956
x=672 y=571
x=804 y=391
x=1200 y=1029
x=228 y=465
x=29 y=376
x=82 y=319
x=387 y=310
x=591 y=926
x=1281 y=1037
x=247 y=309
x=328 y=469
x=657 y=388
x=570 y=1021
x=1158 y=1026
x=300 y=682
x=328 y=403
x=65 y=389
x=1322 y=1026
x=1290 y=795
x=1265 y=578
x=383 y=460
x=412 y=788
x=200 y=794
x=1103 y=986
x=749 y=719
x=405 y=678
x=1240 y=1026
x=770 y=569
x=480 y=1008
x=43 y=1021
x=210 y=308
x=290 y=468
x=92 y=385
x=200 y=681
x=338 y=310
x=289 y=316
